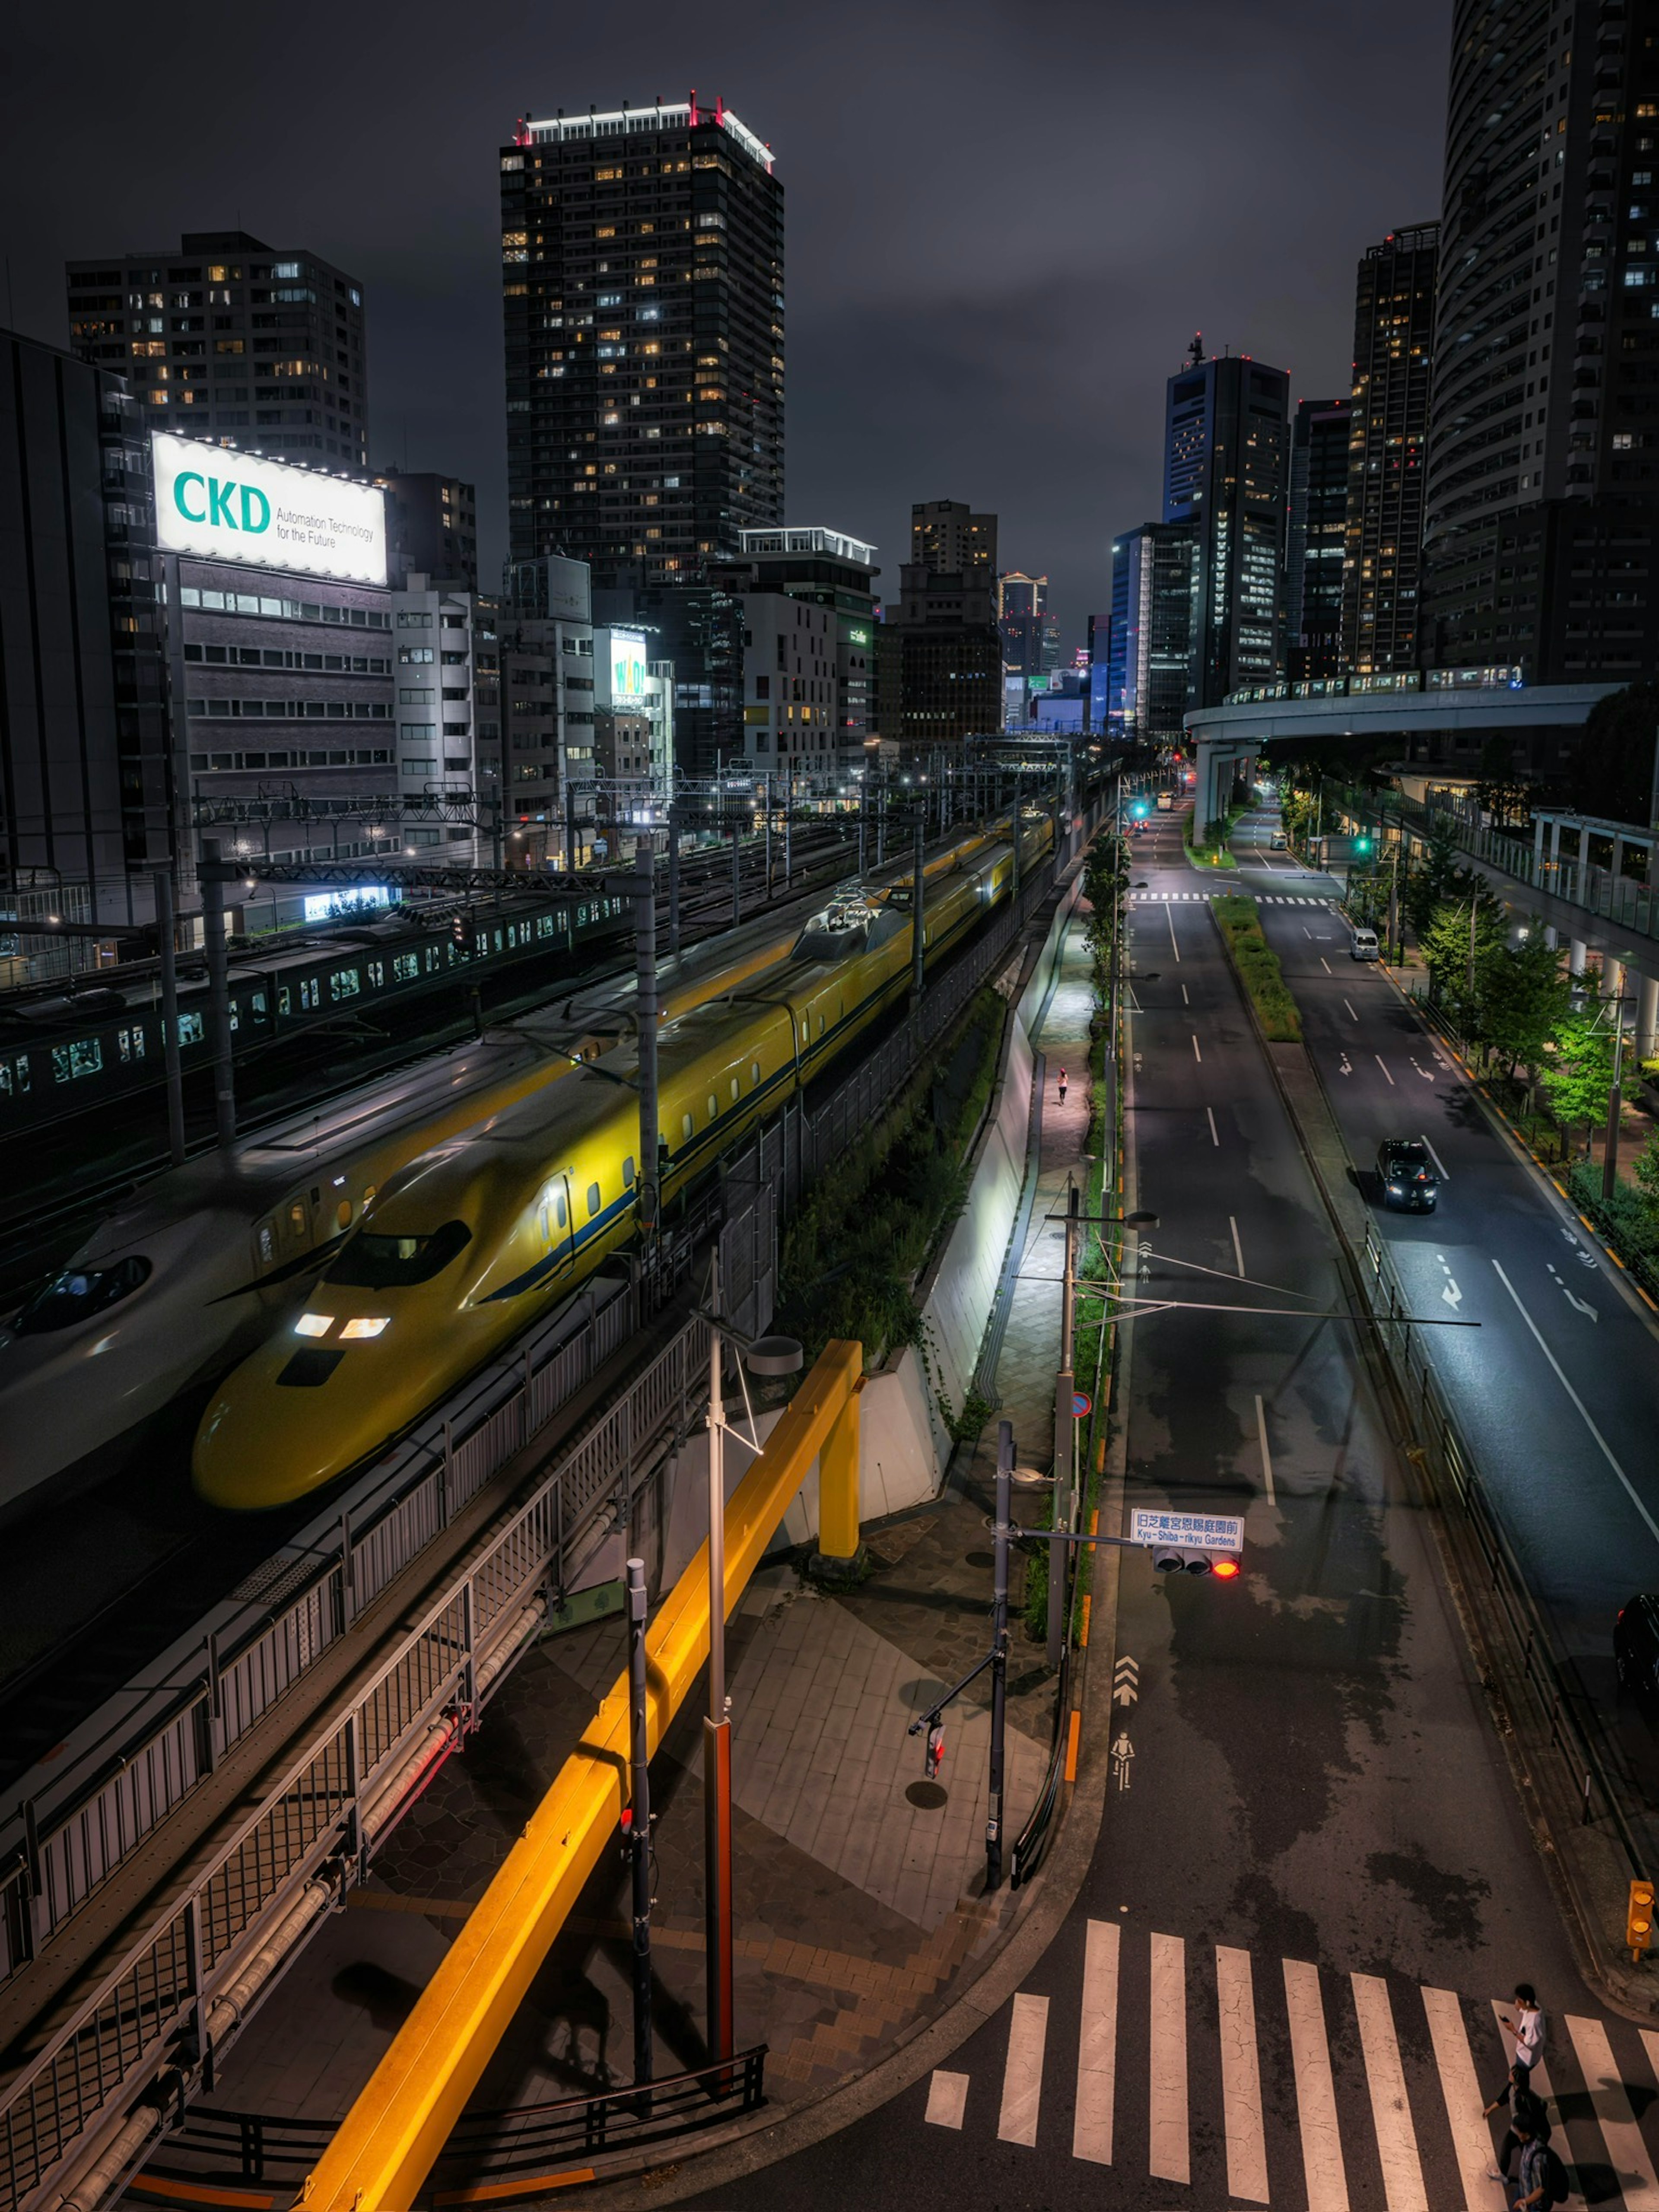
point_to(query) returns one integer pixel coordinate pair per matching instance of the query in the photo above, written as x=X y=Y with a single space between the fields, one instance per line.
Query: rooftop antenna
x=1195 y=350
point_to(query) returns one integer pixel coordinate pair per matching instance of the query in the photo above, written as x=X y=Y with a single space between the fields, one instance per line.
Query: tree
x=1577 y=1074
x=1612 y=771
x=1105 y=879
x=1439 y=877
x=1523 y=1001
x=1444 y=943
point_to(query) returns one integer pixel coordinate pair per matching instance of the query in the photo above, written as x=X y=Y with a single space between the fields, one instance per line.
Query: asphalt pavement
x=1314 y=1876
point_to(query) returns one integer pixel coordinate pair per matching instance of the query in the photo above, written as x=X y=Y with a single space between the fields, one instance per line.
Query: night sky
x=1004 y=223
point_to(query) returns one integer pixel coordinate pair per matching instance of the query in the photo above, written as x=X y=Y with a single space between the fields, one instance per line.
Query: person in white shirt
x=1526 y=2026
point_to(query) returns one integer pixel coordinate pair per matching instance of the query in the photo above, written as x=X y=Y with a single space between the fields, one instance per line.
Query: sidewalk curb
x=1498 y=1677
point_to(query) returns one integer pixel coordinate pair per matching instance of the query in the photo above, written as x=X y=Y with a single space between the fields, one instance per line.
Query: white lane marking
x=1385 y=2077
x=1582 y=1307
x=1438 y=1162
x=1166 y=2039
x=1325 y=964
x=1022 y=2079
x=1238 y=1253
x=1214 y=1139
x=1451 y=1295
x=1626 y=2152
x=1377 y=1057
x=1097 y=2050
x=1583 y=1410
x=1315 y=2092
x=1462 y=2091
x=1197 y=1054
x=1262 y=1434
x=1169 y=916
x=947 y=2098
x=1241 y=2077
x=1346 y=1003
x=1185 y=1000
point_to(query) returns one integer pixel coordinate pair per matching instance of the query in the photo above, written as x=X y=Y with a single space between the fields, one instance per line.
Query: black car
x=1636 y=1643
x=1405 y=1171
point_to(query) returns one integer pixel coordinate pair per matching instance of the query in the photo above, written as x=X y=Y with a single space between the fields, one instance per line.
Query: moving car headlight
x=1395 y=1190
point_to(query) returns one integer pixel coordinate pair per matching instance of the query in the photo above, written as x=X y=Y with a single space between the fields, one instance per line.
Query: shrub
x=1258 y=968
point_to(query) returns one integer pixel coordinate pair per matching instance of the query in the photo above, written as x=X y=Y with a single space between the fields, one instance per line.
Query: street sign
x=1213 y=1532
x=1082 y=1405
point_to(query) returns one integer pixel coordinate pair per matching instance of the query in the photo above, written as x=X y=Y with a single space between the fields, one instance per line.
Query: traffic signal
x=1362 y=844
x=1187 y=1559
x=1638 y=1918
x=934 y=1758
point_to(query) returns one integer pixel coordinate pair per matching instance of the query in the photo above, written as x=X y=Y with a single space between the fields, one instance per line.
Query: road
x=1557 y=1391
x=1313 y=1877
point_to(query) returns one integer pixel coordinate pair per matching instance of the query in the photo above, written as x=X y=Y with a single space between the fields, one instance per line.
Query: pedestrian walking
x=1525 y=2106
x=1530 y=2189
x=1526 y=2026
x=1062 y=1086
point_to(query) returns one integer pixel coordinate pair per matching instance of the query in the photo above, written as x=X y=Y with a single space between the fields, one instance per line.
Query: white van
x=1363 y=946
x=1165 y=802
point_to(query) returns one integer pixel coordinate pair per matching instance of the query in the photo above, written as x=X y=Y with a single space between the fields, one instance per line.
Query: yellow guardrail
x=386 y=2143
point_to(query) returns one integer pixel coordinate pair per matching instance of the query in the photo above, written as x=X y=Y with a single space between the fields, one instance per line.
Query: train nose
x=289 y=1421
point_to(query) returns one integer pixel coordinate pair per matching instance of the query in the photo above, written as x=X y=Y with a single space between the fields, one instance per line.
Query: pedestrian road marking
x=1097 y=2049
x=1241 y=2077
x=1022 y=2079
x=1465 y=2105
x=1385 y=2078
x=1316 y=2090
x=947 y=2098
x=1625 y=2149
x=1170 y=2157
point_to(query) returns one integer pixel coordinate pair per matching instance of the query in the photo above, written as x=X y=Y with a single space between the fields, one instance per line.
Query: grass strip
x=1258 y=968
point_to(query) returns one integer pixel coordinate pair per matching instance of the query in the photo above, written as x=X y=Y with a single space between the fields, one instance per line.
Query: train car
x=478 y=1236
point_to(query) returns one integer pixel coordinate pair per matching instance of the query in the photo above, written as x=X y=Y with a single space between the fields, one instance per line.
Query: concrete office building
x=825 y=568
x=229 y=337
x=1542 y=521
x=432 y=527
x=1388 y=451
x=438 y=631
x=537 y=721
x=1155 y=598
x=948 y=537
x=1030 y=641
x=789 y=690
x=1226 y=468
x=633 y=727
x=942 y=650
x=1316 y=539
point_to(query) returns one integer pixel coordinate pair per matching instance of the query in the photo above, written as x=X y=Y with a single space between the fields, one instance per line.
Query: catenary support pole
x=638 y=1826
x=1001 y=1538
x=768 y=837
x=789 y=832
x=737 y=871
x=213 y=927
x=919 y=919
x=673 y=884
x=1065 y=1437
x=645 y=1005
x=717 y=1728
x=1615 y=1103
x=166 y=923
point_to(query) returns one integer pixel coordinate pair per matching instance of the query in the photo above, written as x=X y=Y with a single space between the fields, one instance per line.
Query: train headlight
x=370 y=1327
x=314 y=1324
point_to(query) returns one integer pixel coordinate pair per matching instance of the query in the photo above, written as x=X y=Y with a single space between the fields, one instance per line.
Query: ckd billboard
x=220 y=505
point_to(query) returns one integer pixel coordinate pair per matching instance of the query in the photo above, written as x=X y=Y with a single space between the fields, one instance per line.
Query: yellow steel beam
x=385 y=2147
x=838 y=1484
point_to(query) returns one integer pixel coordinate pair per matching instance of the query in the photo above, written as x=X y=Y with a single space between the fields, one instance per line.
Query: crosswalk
x=1203 y=898
x=1285 y=2083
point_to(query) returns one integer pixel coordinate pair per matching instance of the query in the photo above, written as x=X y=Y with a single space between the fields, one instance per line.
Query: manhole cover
x=928 y=1795
x=980 y=1560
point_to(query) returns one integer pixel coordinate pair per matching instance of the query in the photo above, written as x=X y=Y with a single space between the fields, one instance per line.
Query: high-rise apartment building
x=1226 y=472
x=229 y=337
x=1388 y=451
x=1155 y=597
x=1541 y=522
x=1315 y=531
x=947 y=536
x=824 y=568
x=642 y=282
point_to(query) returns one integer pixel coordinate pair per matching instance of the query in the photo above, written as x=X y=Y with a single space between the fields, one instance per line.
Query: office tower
x=229 y=337
x=432 y=527
x=946 y=649
x=1031 y=638
x=1393 y=372
x=1156 y=576
x=1226 y=471
x=1315 y=533
x=947 y=536
x=819 y=717
x=541 y=754
x=642 y=280
x=1540 y=512
x=87 y=802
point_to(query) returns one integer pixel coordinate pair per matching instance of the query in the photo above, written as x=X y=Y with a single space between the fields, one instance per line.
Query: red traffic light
x=1225 y=1570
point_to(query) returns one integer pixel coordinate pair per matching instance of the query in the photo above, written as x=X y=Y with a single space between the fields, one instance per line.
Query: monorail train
x=474 y=1239
x=184 y=1280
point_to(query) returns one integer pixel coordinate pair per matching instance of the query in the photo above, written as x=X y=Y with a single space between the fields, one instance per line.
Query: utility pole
x=673 y=883
x=918 y=922
x=717 y=1728
x=737 y=878
x=164 y=926
x=1615 y=1103
x=1065 y=1439
x=639 y=1828
x=644 y=1013
x=881 y=812
x=1001 y=1538
x=213 y=927
x=768 y=837
x=788 y=830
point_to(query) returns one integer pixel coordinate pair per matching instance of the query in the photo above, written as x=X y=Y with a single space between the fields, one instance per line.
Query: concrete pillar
x=1618 y=857
x=1204 y=806
x=1647 y=1018
x=1576 y=951
x=1555 y=842
x=1538 y=844
x=1550 y=937
x=1612 y=977
x=838 y=1484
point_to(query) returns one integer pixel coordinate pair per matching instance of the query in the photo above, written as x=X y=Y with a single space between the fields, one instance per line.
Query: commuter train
x=184 y=1280
x=478 y=1237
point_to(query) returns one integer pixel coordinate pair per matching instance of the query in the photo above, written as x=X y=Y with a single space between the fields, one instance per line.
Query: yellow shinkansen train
x=478 y=1237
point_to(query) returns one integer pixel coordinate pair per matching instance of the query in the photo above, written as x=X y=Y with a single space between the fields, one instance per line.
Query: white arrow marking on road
x=1427 y=1073
x=1451 y=1295
x=1124 y=1682
x=1346 y=1068
x=1580 y=1304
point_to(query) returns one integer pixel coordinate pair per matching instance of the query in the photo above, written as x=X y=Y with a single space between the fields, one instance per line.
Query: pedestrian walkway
x=1202 y=898
x=1151 y=2055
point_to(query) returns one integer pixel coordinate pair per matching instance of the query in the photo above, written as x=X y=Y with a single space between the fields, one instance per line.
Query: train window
x=257 y=1003
x=561 y=1210
x=265 y=1239
x=714 y=1105
x=191 y=1029
x=284 y=999
x=737 y=1088
x=78 y=1293
x=820 y=1024
x=377 y=972
x=235 y=1021
x=69 y=1061
x=299 y=1222
x=405 y=967
x=804 y=1034
x=346 y=983
x=342 y=1214
x=369 y=1262
x=686 y=1126
x=14 y=1074
x=627 y=1172
x=131 y=1043
x=754 y=1071
x=593 y=1200
x=543 y=925
x=434 y=957
x=368 y=1193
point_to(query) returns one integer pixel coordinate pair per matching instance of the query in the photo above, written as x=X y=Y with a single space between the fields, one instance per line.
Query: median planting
x=1259 y=971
